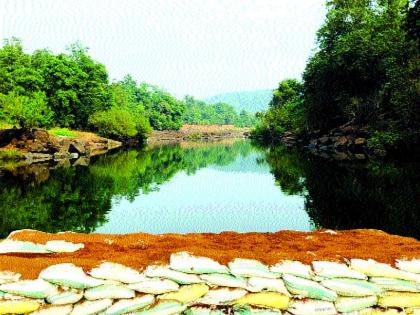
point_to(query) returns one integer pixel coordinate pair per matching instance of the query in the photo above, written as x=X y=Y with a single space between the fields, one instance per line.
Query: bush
x=26 y=111
x=381 y=141
x=120 y=123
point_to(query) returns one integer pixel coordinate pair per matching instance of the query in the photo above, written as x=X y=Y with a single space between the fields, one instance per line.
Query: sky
x=188 y=47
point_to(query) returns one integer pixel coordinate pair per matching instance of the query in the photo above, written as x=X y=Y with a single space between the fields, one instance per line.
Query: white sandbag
x=250 y=268
x=54 y=310
x=126 y=306
x=63 y=246
x=164 y=308
x=311 y=307
x=177 y=276
x=12 y=246
x=373 y=268
x=65 y=297
x=392 y=284
x=409 y=265
x=222 y=296
x=36 y=289
x=91 y=307
x=116 y=272
x=353 y=304
x=247 y=310
x=187 y=263
x=257 y=284
x=328 y=269
x=308 y=288
x=154 y=286
x=69 y=275
x=223 y=280
x=295 y=268
x=352 y=287
x=9 y=276
x=109 y=291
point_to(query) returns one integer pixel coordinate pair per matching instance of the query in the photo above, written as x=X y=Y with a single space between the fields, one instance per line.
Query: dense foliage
x=201 y=113
x=364 y=72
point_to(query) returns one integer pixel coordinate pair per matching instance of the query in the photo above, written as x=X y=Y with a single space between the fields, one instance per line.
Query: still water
x=211 y=187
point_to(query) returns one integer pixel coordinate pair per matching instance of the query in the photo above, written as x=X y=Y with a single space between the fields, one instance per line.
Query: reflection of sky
x=211 y=200
x=195 y=47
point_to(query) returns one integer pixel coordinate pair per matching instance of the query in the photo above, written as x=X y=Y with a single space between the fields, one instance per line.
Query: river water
x=211 y=187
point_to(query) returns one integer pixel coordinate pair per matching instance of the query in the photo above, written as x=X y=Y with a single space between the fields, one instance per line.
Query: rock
x=82 y=161
x=341 y=141
x=42 y=135
x=360 y=156
x=341 y=156
x=360 y=141
x=324 y=140
x=78 y=146
x=41 y=157
x=62 y=155
x=74 y=155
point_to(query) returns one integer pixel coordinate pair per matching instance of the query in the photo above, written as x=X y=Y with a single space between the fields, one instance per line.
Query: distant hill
x=251 y=101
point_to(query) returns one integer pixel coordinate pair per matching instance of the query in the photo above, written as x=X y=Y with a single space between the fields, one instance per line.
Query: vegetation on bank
x=365 y=72
x=71 y=90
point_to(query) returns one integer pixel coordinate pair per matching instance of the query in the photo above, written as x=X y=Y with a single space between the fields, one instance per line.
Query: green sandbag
x=353 y=304
x=223 y=280
x=36 y=289
x=308 y=288
x=66 y=297
x=391 y=284
x=126 y=306
x=352 y=287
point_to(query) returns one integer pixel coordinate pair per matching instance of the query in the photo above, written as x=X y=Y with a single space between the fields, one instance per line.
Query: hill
x=251 y=101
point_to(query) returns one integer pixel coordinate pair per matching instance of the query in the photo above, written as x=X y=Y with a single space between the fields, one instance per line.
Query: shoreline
x=139 y=250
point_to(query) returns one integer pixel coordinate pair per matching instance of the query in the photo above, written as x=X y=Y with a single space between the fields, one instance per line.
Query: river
x=232 y=185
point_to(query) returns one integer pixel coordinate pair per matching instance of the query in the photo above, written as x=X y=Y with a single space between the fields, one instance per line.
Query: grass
x=11 y=154
x=62 y=132
x=5 y=125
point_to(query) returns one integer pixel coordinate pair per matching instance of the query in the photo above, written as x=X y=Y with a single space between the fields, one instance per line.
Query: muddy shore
x=140 y=249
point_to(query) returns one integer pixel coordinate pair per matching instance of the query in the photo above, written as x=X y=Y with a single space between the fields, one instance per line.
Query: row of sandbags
x=242 y=287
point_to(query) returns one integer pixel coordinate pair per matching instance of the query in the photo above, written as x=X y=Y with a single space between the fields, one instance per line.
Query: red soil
x=140 y=249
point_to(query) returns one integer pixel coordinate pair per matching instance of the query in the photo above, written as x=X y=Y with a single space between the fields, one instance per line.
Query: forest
x=43 y=89
x=364 y=72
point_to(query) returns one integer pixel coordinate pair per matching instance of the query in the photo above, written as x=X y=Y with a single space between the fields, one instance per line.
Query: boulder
x=41 y=157
x=324 y=140
x=360 y=141
x=78 y=146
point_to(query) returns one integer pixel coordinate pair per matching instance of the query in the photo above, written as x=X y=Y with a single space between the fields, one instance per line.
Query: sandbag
x=409 y=265
x=379 y=311
x=391 y=284
x=9 y=276
x=399 y=299
x=223 y=280
x=187 y=263
x=257 y=284
x=109 y=291
x=63 y=246
x=373 y=268
x=352 y=287
x=247 y=310
x=154 y=286
x=177 y=276
x=164 y=308
x=36 y=289
x=65 y=297
x=91 y=307
x=197 y=310
x=353 y=304
x=116 y=272
x=18 y=307
x=295 y=268
x=328 y=269
x=265 y=299
x=125 y=306
x=307 y=288
x=11 y=246
x=69 y=275
x=186 y=293
x=311 y=307
x=54 y=310
x=221 y=296
x=250 y=268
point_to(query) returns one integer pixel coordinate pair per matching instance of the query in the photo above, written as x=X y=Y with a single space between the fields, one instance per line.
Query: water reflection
x=231 y=185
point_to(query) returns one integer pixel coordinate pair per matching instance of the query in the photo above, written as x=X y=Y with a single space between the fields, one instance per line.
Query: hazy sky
x=196 y=47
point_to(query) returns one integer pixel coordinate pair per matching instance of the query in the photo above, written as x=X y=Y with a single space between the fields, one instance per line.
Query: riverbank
x=198 y=133
x=140 y=249
x=23 y=147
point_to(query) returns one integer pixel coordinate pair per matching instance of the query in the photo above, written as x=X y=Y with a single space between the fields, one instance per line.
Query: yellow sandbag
x=186 y=293
x=399 y=299
x=18 y=307
x=267 y=299
x=377 y=311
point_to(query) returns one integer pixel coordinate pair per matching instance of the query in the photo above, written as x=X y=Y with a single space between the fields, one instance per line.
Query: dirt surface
x=139 y=250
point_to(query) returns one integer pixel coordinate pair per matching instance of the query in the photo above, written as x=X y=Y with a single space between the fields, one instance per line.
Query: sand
x=139 y=250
